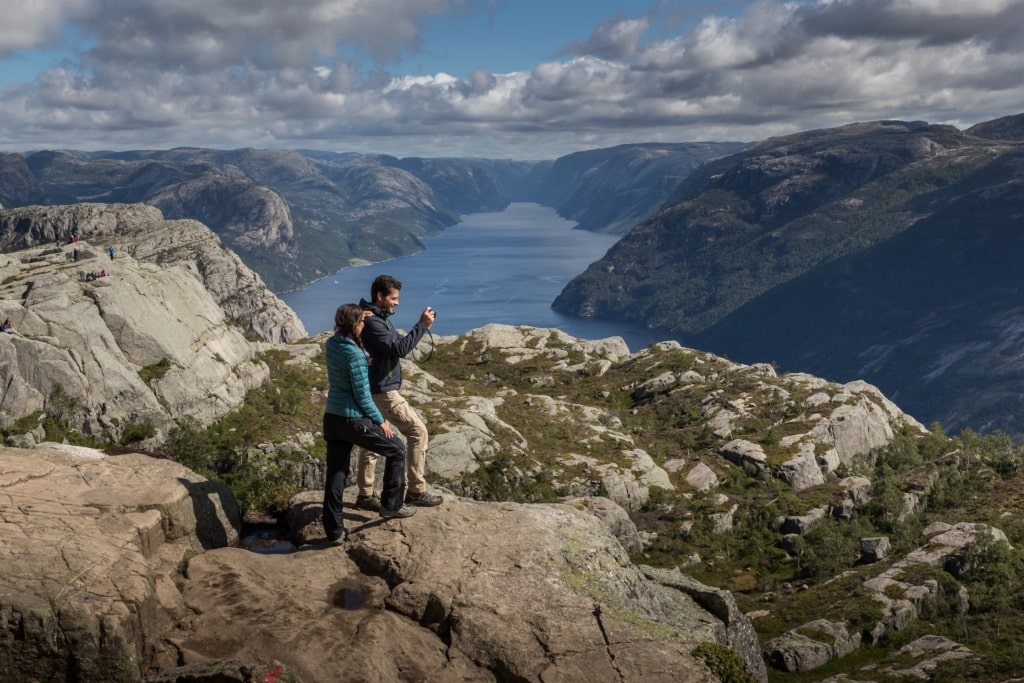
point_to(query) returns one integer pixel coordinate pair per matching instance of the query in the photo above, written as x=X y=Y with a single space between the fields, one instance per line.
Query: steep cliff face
x=141 y=232
x=18 y=186
x=160 y=337
x=611 y=190
x=878 y=251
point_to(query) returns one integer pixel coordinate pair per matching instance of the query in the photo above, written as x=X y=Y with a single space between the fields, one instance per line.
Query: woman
x=352 y=418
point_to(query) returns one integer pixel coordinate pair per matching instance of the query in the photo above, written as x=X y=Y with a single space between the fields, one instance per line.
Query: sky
x=501 y=79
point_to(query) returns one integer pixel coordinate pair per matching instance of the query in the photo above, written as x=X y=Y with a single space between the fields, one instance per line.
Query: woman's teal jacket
x=348 y=378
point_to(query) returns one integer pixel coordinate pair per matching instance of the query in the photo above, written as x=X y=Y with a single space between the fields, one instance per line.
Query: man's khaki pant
x=406 y=420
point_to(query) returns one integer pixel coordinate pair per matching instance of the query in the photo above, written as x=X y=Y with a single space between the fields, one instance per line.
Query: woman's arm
x=360 y=377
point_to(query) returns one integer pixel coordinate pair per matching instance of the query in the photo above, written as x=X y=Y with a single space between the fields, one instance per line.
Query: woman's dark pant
x=341 y=433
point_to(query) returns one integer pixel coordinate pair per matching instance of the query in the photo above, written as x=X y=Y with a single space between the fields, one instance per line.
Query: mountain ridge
x=728 y=261
x=295 y=217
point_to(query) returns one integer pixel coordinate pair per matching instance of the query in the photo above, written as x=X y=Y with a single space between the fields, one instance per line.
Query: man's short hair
x=384 y=284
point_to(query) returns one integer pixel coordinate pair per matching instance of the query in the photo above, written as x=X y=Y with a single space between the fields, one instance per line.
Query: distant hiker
x=74 y=238
x=104 y=273
x=7 y=326
x=74 y=254
x=386 y=348
x=110 y=250
x=351 y=418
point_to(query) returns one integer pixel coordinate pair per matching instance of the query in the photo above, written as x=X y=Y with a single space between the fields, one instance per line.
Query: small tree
x=60 y=405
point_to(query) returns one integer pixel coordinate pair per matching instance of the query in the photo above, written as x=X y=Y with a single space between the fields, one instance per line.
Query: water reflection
x=266 y=539
x=348 y=597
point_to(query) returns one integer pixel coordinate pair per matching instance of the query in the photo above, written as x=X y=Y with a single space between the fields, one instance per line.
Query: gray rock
x=459 y=592
x=701 y=477
x=723 y=522
x=801 y=524
x=148 y=344
x=874 y=549
x=612 y=514
x=931 y=651
x=811 y=646
x=742 y=452
x=139 y=231
x=802 y=470
x=740 y=634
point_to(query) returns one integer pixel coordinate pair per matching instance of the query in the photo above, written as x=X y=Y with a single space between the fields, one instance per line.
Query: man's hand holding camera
x=427 y=317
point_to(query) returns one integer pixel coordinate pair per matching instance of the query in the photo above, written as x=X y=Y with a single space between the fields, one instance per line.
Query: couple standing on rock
x=364 y=374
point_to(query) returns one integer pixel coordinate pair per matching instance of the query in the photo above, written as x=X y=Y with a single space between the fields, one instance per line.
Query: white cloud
x=223 y=73
x=613 y=39
x=31 y=24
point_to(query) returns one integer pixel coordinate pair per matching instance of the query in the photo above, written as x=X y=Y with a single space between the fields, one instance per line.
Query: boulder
x=518 y=343
x=701 y=477
x=91 y=550
x=742 y=452
x=874 y=549
x=614 y=516
x=740 y=634
x=467 y=591
x=811 y=646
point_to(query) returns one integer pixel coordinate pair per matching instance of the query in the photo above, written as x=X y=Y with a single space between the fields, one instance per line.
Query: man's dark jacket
x=386 y=348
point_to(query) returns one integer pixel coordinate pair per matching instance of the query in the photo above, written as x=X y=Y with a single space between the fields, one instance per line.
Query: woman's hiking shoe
x=423 y=500
x=368 y=503
x=402 y=512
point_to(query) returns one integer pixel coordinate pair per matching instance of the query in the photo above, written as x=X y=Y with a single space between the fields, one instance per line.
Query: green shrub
x=992 y=572
x=724 y=663
x=60 y=406
x=193 y=447
x=134 y=432
x=267 y=489
x=830 y=548
x=23 y=425
x=59 y=433
x=155 y=371
x=501 y=479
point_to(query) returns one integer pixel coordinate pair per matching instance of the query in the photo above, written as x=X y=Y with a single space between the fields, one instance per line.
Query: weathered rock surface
x=141 y=232
x=91 y=549
x=464 y=592
x=507 y=591
x=162 y=338
x=146 y=344
x=832 y=426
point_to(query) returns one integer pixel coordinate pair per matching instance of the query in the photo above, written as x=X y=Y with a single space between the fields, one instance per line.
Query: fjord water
x=503 y=267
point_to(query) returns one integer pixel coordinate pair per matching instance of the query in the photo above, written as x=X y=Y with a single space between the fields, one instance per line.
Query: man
x=386 y=348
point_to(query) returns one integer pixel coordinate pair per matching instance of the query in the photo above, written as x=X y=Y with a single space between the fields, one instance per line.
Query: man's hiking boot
x=340 y=538
x=423 y=500
x=368 y=503
x=400 y=513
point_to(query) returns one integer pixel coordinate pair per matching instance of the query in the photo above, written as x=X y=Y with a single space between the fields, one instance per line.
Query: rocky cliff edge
x=157 y=332
x=120 y=568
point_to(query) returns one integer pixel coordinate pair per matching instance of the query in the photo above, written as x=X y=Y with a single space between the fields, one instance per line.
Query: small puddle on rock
x=348 y=597
x=266 y=539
